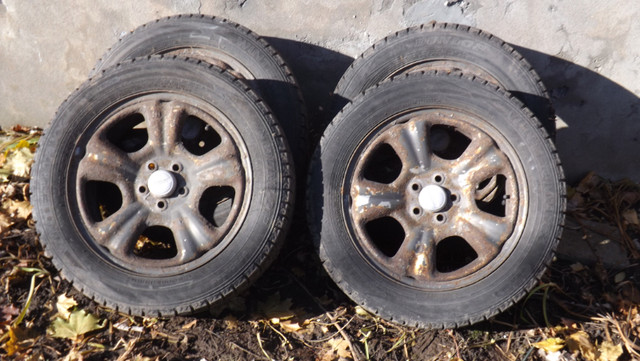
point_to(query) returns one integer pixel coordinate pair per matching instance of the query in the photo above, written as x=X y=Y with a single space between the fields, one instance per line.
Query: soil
x=295 y=312
x=296 y=291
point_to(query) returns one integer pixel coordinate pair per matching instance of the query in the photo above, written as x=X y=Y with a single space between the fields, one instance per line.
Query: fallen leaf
x=17 y=338
x=289 y=326
x=19 y=162
x=276 y=309
x=577 y=267
x=339 y=347
x=550 y=345
x=231 y=322
x=8 y=313
x=619 y=277
x=579 y=342
x=631 y=216
x=64 y=306
x=18 y=209
x=362 y=312
x=609 y=351
x=79 y=324
x=189 y=325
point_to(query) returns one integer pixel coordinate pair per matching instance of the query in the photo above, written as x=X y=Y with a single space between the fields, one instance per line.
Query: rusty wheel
x=162 y=182
x=155 y=193
x=231 y=46
x=442 y=200
x=434 y=199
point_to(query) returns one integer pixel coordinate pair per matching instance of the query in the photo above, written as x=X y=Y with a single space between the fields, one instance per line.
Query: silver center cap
x=432 y=198
x=161 y=183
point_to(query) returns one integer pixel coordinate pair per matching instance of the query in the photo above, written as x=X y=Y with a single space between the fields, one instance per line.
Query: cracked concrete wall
x=587 y=53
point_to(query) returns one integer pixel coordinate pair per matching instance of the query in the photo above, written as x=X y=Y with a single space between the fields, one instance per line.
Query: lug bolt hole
x=161 y=205
x=415 y=186
x=438 y=178
x=416 y=211
x=142 y=189
x=454 y=197
x=152 y=166
x=182 y=191
x=175 y=167
x=440 y=218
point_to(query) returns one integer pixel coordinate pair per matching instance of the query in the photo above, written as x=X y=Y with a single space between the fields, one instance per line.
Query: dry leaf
x=579 y=342
x=189 y=325
x=289 y=326
x=338 y=347
x=362 y=312
x=231 y=322
x=8 y=313
x=78 y=324
x=18 y=209
x=609 y=351
x=276 y=309
x=577 y=267
x=631 y=216
x=552 y=344
x=19 y=162
x=64 y=306
x=619 y=277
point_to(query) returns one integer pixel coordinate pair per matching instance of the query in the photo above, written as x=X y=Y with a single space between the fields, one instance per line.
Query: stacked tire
x=166 y=181
x=435 y=197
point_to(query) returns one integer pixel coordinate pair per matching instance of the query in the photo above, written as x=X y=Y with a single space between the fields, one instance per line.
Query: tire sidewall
x=71 y=246
x=430 y=308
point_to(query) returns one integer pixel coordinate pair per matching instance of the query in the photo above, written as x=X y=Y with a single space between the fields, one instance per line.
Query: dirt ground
x=295 y=312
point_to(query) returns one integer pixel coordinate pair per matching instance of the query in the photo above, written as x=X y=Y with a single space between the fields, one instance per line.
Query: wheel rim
x=213 y=56
x=161 y=182
x=447 y=66
x=437 y=199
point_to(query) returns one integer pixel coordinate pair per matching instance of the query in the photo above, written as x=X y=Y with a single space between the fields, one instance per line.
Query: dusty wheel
x=230 y=46
x=448 y=47
x=438 y=200
x=162 y=186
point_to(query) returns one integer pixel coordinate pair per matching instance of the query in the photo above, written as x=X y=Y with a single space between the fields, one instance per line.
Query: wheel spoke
x=194 y=236
x=416 y=258
x=481 y=160
x=411 y=143
x=120 y=231
x=484 y=232
x=373 y=200
x=163 y=125
x=221 y=167
x=104 y=161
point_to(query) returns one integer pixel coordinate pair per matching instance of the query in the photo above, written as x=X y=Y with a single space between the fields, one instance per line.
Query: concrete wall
x=587 y=52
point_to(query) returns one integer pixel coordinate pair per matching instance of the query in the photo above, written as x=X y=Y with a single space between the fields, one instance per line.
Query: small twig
x=285 y=341
x=344 y=335
x=262 y=348
x=526 y=356
x=233 y=345
x=629 y=344
x=327 y=338
x=455 y=343
x=508 y=345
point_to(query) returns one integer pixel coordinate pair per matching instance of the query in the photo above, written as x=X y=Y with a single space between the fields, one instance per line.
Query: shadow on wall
x=603 y=118
x=317 y=71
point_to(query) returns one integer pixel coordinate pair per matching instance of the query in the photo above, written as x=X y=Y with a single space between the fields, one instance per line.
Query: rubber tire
x=448 y=41
x=414 y=306
x=255 y=243
x=272 y=78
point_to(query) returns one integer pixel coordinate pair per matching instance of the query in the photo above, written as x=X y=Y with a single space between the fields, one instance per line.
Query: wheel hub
x=432 y=198
x=161 y=183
